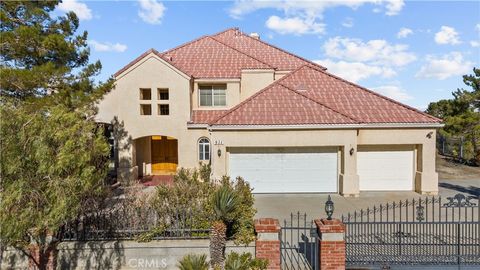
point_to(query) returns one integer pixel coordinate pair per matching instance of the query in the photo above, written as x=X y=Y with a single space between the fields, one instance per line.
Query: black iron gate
x=299 y=243
x=423 y=231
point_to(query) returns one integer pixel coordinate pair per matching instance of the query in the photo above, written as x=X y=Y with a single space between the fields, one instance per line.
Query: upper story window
x=163 y=109
x=204 y=149
x=163 y=94
x=213 y=95
x=145 y=93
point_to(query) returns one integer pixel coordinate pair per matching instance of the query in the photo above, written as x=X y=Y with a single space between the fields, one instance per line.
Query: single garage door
x=386 y=169
x=286 y=170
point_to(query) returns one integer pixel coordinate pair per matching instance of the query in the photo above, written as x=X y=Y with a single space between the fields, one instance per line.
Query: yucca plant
x=193 y=262
x=244 y=261
x=224 y=202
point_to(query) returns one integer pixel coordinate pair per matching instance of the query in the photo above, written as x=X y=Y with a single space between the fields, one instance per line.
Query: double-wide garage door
x=286 y=170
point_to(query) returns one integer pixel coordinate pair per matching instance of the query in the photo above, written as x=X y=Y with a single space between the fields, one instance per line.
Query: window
x=163 y=109
x=162 y=93
x=204 y=149
x=213 y=95
x=145 y=109
x=145 y=93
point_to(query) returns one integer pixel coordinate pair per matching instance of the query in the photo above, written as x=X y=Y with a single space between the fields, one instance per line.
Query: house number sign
x=218 y=142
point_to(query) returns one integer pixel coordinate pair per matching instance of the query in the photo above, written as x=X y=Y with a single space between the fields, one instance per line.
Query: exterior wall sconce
x=429 y=135
x=329 y=207
x=352 y=151
x=219 y=153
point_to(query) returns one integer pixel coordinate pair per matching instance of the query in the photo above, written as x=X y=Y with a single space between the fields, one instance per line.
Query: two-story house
x=282 y=122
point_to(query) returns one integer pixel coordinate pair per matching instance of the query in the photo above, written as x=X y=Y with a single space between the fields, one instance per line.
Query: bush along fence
x=458 y=148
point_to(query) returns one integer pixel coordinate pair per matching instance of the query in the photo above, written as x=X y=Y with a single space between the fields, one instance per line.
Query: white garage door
x=385 y=170
x=284 y=170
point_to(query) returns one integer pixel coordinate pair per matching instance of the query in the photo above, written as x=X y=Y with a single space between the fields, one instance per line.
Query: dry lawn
x=448 y=169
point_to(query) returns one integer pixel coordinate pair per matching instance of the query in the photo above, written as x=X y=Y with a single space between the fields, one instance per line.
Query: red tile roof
x=205 y=116
x=208 y=58
x=312 y=96
x=279 y=105
x=279 y=58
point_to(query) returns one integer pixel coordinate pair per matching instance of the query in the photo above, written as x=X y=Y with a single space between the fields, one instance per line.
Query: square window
x=162 y=94
x=145 y=94
x=145 y=109
x=163 y=109
x=213 y=95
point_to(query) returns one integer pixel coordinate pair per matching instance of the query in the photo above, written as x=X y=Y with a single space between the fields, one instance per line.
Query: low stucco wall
x=161 y=254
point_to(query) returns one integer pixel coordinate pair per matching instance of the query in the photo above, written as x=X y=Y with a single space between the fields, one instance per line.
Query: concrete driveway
x=282 y=205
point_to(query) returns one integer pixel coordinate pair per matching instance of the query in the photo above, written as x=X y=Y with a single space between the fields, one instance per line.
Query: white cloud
x=445 y=66
x=81 y=9
x=310 y=8
x=348 y=22
x=477 y=27
x=447 y=35
x=404 y=32
x=475 y=43
x=294 y=25
x=107 y=47
x=305 y=14
x=393 y=92
x=151 y=11
x=355 y=71
x=378 y=51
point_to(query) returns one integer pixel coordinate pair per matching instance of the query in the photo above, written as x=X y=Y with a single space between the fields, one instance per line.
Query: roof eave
x=326 y=126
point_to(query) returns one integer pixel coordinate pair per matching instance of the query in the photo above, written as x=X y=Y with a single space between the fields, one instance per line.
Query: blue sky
x=414 y=52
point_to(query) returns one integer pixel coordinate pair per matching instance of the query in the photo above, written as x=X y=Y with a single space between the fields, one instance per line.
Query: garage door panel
x=286 y=172
x=385 y=170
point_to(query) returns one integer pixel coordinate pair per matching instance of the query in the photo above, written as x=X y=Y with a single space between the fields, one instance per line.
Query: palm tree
x=224 y=201
x=193 y=262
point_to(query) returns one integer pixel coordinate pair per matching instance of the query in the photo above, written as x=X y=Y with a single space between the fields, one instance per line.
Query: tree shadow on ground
x=471 y=190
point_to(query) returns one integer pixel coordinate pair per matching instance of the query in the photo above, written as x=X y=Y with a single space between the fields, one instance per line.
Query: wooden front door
x=164 y=154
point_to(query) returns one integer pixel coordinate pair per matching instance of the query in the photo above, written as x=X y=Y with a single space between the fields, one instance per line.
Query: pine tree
x=53 y=154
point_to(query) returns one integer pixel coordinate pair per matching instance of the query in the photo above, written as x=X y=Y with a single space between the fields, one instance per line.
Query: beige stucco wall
x=124 y=103
x=254 y=80
x=426 y=179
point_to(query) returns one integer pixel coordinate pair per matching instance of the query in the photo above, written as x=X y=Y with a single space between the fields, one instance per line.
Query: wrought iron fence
x=424 y=231
x=125 y=222
x=299 y=243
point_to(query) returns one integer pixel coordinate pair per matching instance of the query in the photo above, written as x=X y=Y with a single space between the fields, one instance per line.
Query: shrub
x=244 y=261
x=193 y=262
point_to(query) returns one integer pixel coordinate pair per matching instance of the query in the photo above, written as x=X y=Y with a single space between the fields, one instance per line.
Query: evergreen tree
x=54 y=157
x=462 y=113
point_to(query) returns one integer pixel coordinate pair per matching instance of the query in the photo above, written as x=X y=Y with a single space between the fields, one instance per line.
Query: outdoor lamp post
x=329 y=208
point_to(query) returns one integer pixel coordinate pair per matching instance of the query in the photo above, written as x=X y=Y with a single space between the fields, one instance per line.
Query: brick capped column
x=332 y=244
x=267 y=244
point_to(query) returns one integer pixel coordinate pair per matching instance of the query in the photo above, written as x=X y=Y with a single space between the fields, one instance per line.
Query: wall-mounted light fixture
x=352 y=151
x=329 y=207
x=219 y=152
x=429 y=135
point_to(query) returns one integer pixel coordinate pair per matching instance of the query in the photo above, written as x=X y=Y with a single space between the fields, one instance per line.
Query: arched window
x=204 y=149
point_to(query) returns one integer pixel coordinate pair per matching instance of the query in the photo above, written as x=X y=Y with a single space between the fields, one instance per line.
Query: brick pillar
x=332 y=244
x=49 y=258
x=267 y=244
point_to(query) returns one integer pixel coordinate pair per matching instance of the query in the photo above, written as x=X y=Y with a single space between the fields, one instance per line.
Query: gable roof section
x=265 y=52
x=312 y=96
x=209 y=58
x=360 y=103
x=279 y=105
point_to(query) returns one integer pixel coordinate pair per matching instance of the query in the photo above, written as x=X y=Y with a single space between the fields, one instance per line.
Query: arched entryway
x=164 y=154
x=156 y=155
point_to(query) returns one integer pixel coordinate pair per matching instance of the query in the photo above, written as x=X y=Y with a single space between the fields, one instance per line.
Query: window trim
x=202 y=142
x=212 y=91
